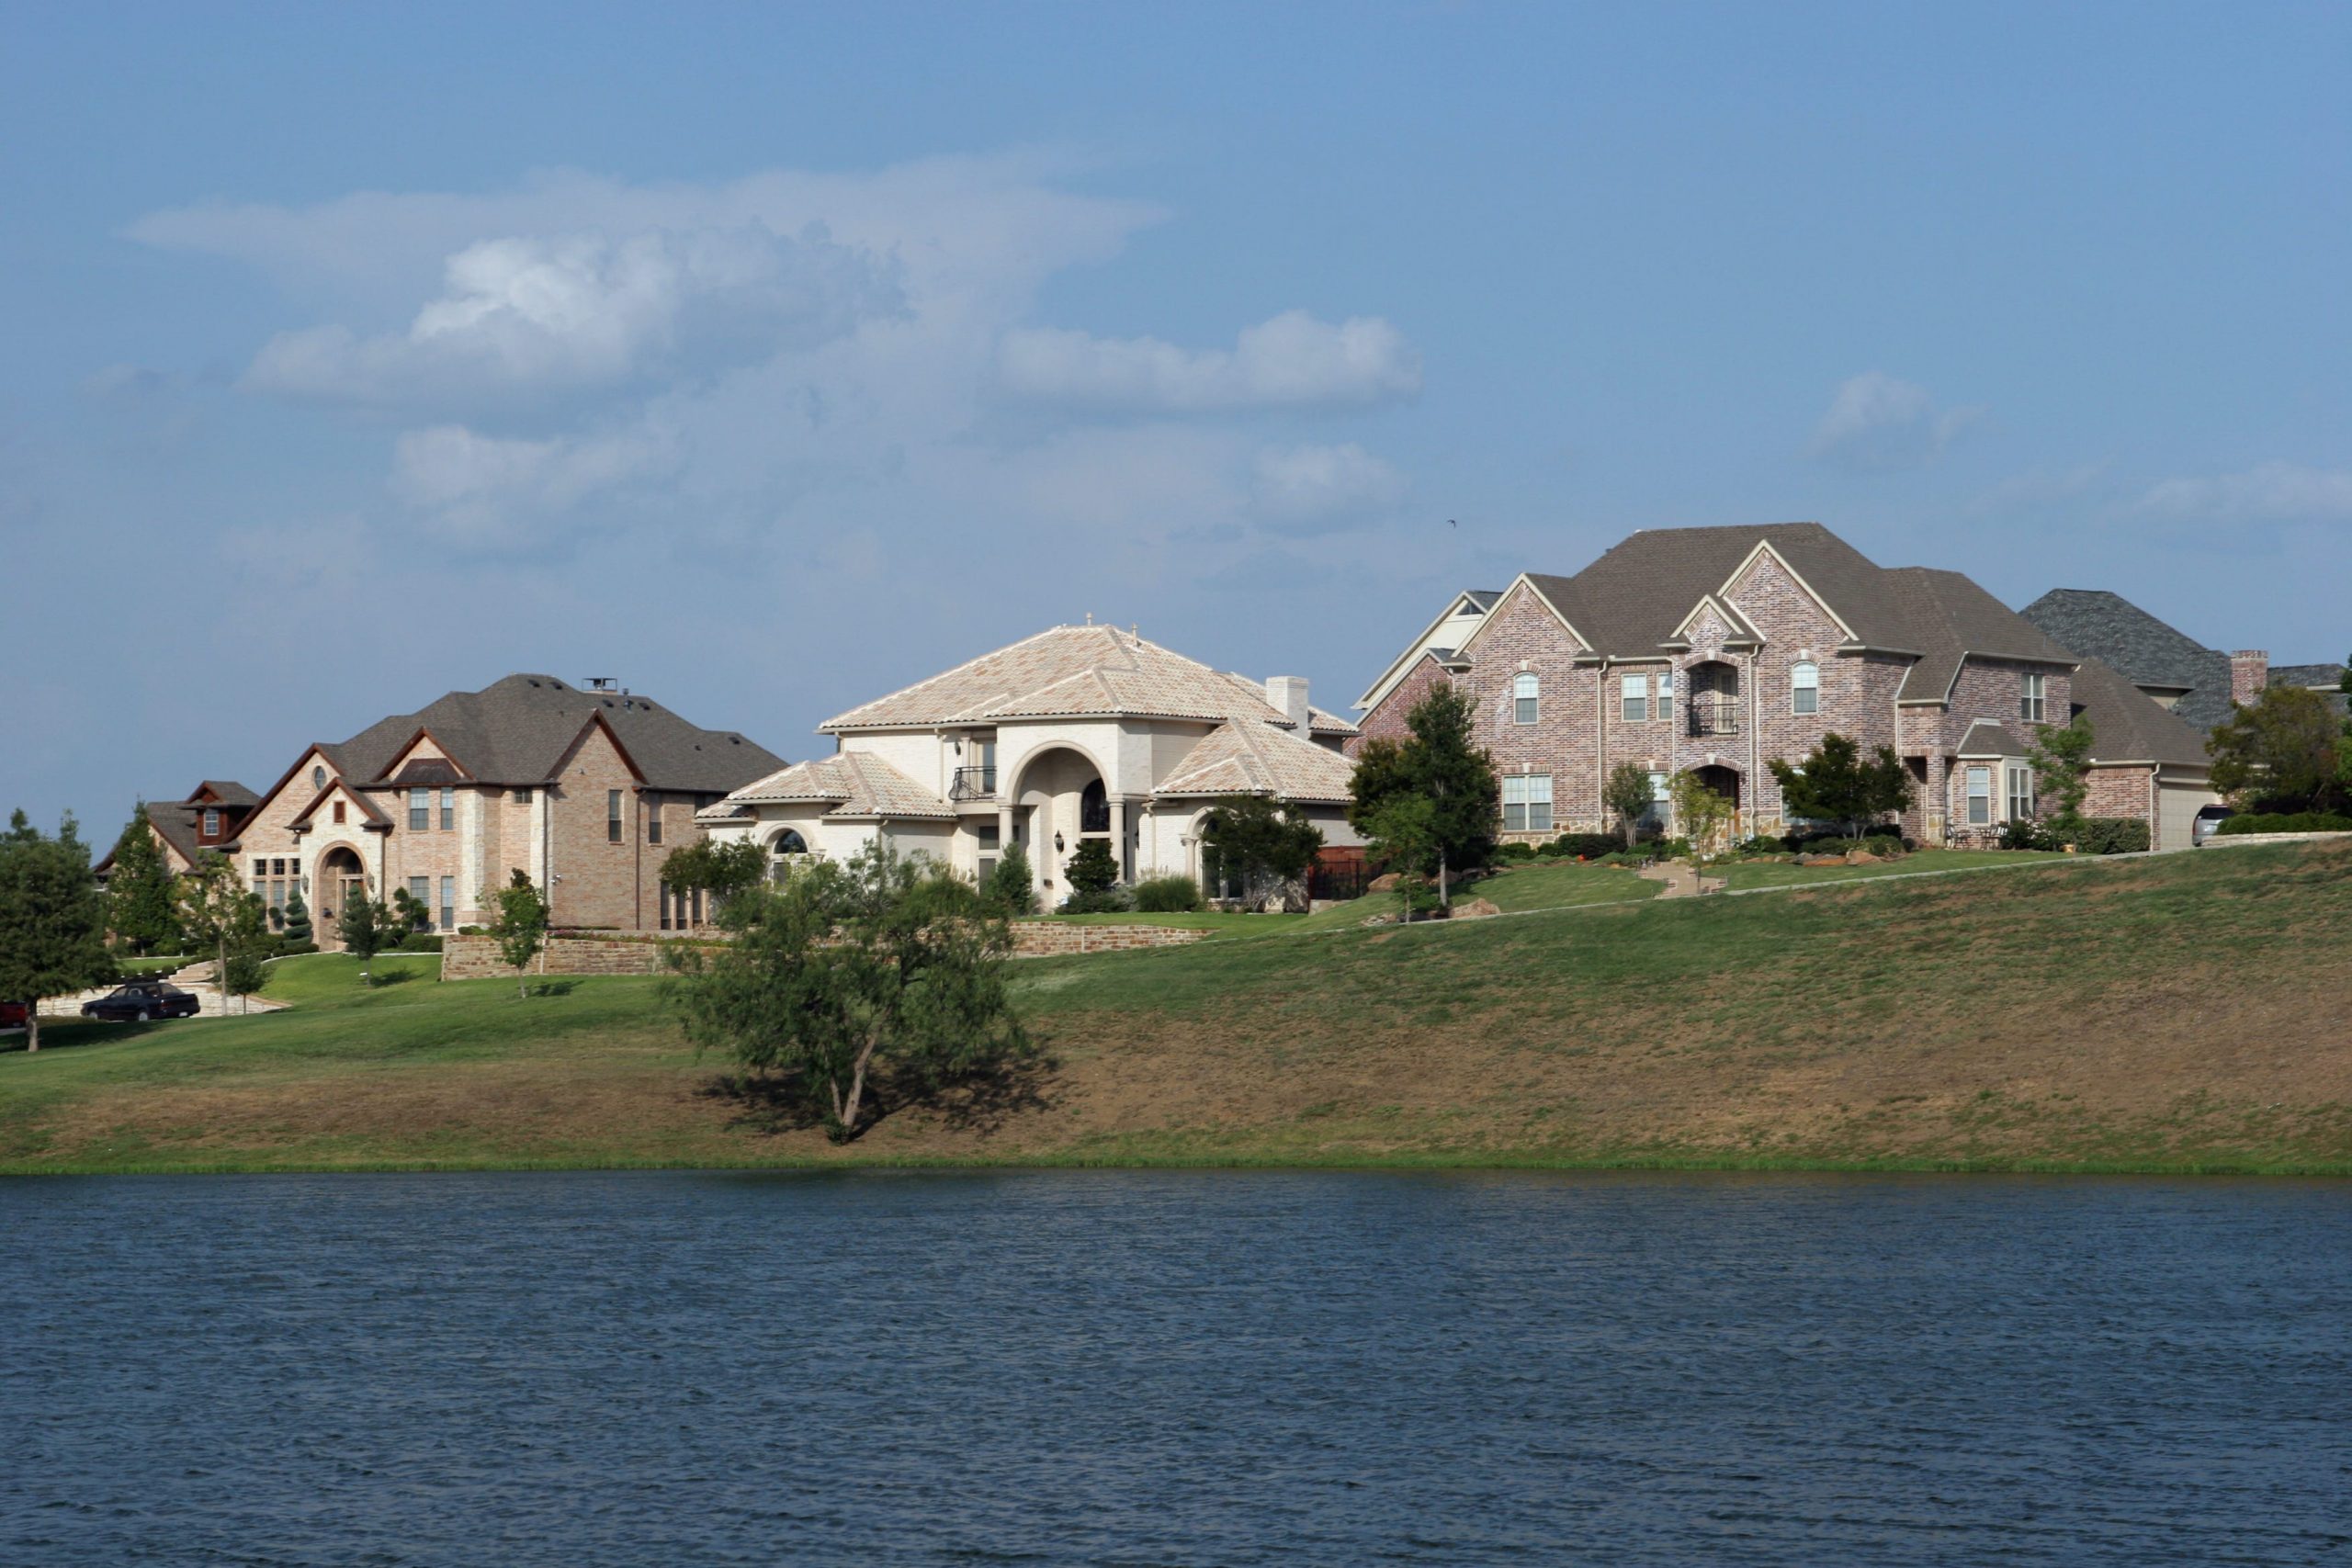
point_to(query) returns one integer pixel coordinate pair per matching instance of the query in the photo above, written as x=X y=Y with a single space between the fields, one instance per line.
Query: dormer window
x=1804 y=689
x=1526 y=698
x=212 y=824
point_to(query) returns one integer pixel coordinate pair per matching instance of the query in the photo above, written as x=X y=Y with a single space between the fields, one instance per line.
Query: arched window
x=787 y=847
x=1094 y=809
x=1804 y=689
x=1526 y=694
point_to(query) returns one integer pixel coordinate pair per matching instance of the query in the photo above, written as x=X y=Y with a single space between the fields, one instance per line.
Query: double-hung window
x=612 y=816
x=1804 y=689
x=419 y=892
x=1980 y=797
x=2020 y=792
x=2030 y=706
x=1527 y=802
x=449 y=809
x=449 y=903
x=1634 y=698
x=1665 y=698
x=420 y=810
x=653 y=818
x=1526 y=698
x=1661 y=798
x=212 y=824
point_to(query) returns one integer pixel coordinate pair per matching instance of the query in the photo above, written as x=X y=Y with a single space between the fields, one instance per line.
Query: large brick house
x=1077 y=733
x=1716 y=651
x=585 y=790
x=208 y=818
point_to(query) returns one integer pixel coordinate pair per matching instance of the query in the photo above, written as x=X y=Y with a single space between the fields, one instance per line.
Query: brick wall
x=1387 y=717
x=1522 y=635
x=2120 y=791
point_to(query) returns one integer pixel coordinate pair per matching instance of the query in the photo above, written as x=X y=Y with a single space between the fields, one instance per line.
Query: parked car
x=13 y=1015
x=2208 y=822
x=141 y=1001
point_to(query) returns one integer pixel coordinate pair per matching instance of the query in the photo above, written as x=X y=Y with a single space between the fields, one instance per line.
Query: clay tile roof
x=515 y=731
x=2128 y=725
x=1075 y=671
x=1256 y=758
x=854 y=783
x=2147 y=651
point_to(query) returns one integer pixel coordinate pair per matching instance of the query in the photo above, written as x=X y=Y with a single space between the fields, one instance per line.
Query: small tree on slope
x=1627 y=793
x=1440 y=766
x=141 y=908
x=520 y=926
x=52 y=920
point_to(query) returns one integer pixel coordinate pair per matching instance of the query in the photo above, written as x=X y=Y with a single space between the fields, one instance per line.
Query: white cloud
x=1291 y=361
x=494 y=493
x=2271 y=492
x=1876 y=421
x=526 y=316
x=1309 y=485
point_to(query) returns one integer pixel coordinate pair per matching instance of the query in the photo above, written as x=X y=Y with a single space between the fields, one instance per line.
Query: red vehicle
x=12 y=1015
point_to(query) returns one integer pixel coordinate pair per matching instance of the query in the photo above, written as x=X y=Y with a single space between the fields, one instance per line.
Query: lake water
x=1142 y=1368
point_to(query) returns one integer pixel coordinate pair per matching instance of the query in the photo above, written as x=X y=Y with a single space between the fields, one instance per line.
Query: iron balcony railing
x=1714 y=715
x=972 y=784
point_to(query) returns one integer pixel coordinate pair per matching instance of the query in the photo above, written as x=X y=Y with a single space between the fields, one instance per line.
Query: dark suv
x=12 y=1015
x=141 y=1001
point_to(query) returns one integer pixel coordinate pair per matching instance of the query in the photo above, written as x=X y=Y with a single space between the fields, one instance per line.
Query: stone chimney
x=1287 y=695
x=2249 y=672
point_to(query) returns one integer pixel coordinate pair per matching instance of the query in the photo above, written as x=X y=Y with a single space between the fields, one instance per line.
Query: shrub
x=1168 y=894
x=1674 y=849
x=1097 y=901
x=1009 y=889
x=2111 y=836
x=419 y=941
x=2288 y=822
x=1512 y=852
x=1591 y=846
x=296 y=948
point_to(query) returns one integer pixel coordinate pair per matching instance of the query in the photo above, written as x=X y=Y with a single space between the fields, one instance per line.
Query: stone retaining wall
x=476 y=957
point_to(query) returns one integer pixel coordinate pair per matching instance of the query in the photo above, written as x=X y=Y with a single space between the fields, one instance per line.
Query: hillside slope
x=2170 y=1013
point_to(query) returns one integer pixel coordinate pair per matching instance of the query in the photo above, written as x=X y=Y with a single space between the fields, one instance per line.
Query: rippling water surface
x=1214 y=1368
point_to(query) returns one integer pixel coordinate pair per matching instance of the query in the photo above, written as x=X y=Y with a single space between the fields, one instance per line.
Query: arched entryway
x=1725 y=781
x=1710 y=704
x=340 y=877
x=1059 y=801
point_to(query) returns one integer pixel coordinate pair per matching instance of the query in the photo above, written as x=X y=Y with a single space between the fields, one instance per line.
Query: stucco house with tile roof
x=1078 y=732
x=585 y=789
x=1717 y=650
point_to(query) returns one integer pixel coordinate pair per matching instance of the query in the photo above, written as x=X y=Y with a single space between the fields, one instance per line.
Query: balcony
x=1714 y=715
x=972 y=784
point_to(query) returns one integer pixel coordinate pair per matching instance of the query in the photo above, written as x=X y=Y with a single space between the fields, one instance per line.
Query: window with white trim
x=1980 y=797
x=1661 y=798
x=1665 y=698
x=449 y=809
x=653 y=818
x=2020 y=792
x=212 y=824
x=612 y=816
x=2030 y=703
x=1527 y=802
x=1804 y=689
x=1634 y=698
x=420 y=810
x=420 y=888
x=1526 y=698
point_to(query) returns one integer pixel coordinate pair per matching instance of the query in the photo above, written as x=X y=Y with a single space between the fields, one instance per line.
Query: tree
x=242 y=971
x=2280 y=751
x=2062 y=768
x=1012 y=887
x=295 y=926
x=1258 y=842
x=52 y=920
x=846 y=970
x=1837 y=784
x=409 y=914
x=216 y=911
x=720 y=869
x=365 y=929
x=1092 y=869
x=1626 y=792
x=1438 y=765
x=519 y=926
x=1704 y=814
x=141 y=908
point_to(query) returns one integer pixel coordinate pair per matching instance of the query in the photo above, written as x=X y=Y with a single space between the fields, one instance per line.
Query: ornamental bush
x=1589 y=846
x=1168 y=894
x=2288 y=822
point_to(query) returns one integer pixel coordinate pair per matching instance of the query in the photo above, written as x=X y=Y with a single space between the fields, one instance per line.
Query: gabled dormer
x=218 y=808
x=340 y=806
x=1712 y=626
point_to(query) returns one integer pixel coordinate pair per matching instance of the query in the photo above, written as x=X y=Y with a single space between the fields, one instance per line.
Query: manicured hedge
x=2089 y=835
x=1167 y=894
x=2288 y=822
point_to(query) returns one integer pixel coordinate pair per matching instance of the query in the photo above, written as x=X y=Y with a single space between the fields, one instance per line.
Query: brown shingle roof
x=1075 y=672
x=1948 y=615
x=516 y=731
x=2128 y=725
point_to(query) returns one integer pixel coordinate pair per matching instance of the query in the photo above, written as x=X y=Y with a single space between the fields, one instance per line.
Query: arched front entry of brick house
x=1725 y=781
x=339 y=878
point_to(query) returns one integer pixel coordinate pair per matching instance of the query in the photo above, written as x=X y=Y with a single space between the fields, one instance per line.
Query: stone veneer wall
x=476 y=957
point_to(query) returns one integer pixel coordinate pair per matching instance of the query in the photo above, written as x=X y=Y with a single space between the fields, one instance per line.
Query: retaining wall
x=476 y=957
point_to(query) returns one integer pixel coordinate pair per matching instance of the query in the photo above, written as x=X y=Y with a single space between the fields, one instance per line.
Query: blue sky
x=769 y=358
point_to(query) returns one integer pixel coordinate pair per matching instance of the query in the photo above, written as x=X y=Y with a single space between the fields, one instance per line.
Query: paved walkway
x=1681 y=881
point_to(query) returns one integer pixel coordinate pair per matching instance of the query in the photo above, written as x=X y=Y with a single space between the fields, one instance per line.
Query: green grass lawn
x=2172 y=1013
x=1774 y=873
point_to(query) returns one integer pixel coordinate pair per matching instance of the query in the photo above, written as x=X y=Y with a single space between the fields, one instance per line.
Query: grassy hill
x=2172 y=1013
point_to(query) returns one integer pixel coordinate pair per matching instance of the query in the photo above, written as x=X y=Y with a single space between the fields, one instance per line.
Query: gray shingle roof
x=2109 y=627
x=2319 y=677
x=228 y=792
x=2128 y=725
x=1948 y=615
x=517 y=730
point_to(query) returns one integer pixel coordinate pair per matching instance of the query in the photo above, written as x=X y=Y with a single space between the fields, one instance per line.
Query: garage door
x=2177 y=807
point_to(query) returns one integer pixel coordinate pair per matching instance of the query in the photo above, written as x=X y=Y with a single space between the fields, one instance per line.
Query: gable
x=1525 y=609
x=1765 y=575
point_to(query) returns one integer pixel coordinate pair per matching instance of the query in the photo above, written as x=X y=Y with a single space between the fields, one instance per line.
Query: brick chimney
x=1287 y=695
x=2249 y=672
